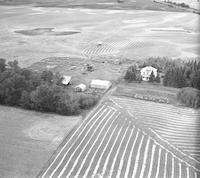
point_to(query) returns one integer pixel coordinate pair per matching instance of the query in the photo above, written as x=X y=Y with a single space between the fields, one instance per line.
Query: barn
x=146 y=72
x=100 y=84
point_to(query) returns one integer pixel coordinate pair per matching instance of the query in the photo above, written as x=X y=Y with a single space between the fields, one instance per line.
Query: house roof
x=149 y=68
x=100 y=82
x=66 y=79
x=82 y=86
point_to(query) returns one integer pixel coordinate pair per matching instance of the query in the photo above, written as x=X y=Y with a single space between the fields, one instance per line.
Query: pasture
x=28 y=139
x=112 y=143
x=30 y=34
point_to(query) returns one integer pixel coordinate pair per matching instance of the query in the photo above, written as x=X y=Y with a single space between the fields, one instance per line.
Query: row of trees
x=39 y=91
x=181 y=4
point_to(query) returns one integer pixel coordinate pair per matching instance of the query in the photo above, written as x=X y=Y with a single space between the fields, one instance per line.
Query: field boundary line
x=175 y=148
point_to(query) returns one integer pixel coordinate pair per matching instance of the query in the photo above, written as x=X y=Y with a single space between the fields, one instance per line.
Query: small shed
x=66 y=80
x=80 y=88
x=100 y=84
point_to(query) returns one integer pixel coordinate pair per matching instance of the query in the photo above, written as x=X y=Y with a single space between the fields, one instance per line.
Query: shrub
x=189 y=96
x=87 y=101
x=25 y=100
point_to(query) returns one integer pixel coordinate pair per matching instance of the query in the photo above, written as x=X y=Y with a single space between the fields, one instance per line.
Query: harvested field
x=28 y=139
x=179 y=126
x=111 y=143
x=27 y=34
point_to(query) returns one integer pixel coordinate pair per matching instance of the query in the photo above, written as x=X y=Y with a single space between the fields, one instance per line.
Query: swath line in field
x=145 y=158
x=114 y=160
x=158 y=166
x=151 y=163
x=83 y=162
x=107 y=158
x=129 y=160
x=99 y=160
x=122 y=158
x=64 y=168
x=87 y=171
x=137 y=157
x=165 y=168
x=75 y=142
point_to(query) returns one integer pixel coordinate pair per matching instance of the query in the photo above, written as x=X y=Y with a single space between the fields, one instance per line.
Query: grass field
x=28 y=139
x=111 y=143
x=147 y=90
x=27 y=34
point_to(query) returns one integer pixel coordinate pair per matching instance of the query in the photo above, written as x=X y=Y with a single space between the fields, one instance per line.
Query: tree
x=47 y=76
x=2 y=65
x=132 y=74
x=45 y=97
x=13 y=65
x=25 y=100
x=195 y=80
x=157 y=79
x=152 y=77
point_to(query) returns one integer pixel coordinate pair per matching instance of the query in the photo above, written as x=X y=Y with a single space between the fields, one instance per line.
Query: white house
x=100 y=84
x=80 y=88
x=146 y=72
x=66 y=80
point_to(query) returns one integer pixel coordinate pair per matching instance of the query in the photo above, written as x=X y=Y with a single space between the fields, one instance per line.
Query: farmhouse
x=80 y=88
x=100 y=84
x=66 y=80
x=146 y=72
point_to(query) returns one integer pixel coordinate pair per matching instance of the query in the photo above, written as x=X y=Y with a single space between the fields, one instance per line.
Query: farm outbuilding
x=100 y=84
x=80 y=88
x=146 y=72
x=66 y=80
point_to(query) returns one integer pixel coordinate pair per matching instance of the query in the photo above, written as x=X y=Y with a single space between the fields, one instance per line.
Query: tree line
x=185 y=75
x=40 y=91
